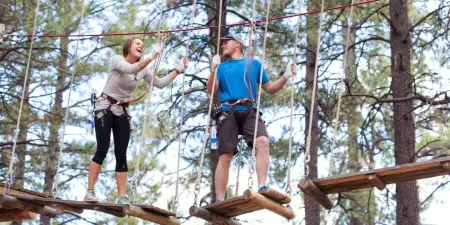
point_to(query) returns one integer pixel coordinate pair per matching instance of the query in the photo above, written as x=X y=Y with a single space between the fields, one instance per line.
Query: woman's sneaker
x=123 y=200
x=90 y=196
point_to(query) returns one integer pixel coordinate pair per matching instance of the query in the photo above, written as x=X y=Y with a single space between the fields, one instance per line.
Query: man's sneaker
x=123 y=200
x=263 y=188
x=90 y=196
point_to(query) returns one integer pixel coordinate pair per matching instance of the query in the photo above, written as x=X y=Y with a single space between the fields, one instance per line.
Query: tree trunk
x=312 y=210
x=55 y=124
x=358 y=200
x=19 y=167
x=401 y=86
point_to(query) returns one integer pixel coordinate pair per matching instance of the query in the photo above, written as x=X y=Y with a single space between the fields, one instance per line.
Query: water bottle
x=90 y=125
x=213 y=136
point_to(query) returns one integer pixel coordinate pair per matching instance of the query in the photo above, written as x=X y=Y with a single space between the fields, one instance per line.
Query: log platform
x=22 y=202
x=222 y=212
x=379 y=178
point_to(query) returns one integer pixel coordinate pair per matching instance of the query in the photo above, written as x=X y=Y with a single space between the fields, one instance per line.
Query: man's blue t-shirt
x=232 y=84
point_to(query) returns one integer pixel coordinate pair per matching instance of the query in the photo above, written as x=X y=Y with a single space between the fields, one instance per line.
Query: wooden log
x=446 y=166
x=10 y=202
x=311 y=189
x=146 y=215
x=276 y=196
x=67 y=207
x=376 y=181
x=7 y=215
x=269 y=204
x=22 y=192
x=109 y=211
x=211 y=217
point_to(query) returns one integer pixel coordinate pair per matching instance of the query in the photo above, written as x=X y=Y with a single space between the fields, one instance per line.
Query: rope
x=341 y=90
x=205 y=137
x=183 y=100
x=291 y=117
x=195 y=28
x=313 y=97
x=249 y=88
x=252 y=159
x=57 y=178
x=250 y=53
x=134 y=179
x=10 y=174
x=239 y=165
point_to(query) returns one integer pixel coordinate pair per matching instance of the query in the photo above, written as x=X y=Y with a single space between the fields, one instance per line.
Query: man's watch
x=177 y=71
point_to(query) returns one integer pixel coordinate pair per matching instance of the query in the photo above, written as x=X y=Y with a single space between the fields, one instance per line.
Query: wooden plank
x=233 y=207
x=109 y=208
x=108 y=211
x=8 y=215
x=376 y=181
x=147 y=215
x=311 y=189
x=276 y=196
x=22 y=192
x=269 y=204
x=446 y=166
x=390 y=175
x=11 y=202
x=211 y=217
x=66 y=207
x=397 y=178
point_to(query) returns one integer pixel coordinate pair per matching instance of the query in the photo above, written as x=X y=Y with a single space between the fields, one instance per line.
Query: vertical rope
x=134 y=179
x=239 y=165
x=183 y=100
x=10 y=173
x=263 y=56
x=341 y=90
x=250 y=53
x=313 y=97
x=291 y=117
x=57 y=178
x=205 y=137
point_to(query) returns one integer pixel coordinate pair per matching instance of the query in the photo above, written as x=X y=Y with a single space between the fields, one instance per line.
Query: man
x=237 y=94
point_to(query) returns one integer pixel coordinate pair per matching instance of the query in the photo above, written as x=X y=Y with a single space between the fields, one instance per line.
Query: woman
x=124 y=74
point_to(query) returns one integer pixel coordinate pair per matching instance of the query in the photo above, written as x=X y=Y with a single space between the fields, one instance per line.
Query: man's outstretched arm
x=273 y=87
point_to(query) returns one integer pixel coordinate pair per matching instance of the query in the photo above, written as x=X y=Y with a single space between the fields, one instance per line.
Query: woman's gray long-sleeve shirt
x=123 y=78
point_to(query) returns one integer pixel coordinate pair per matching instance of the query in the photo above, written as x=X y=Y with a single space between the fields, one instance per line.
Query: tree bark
x=312 y=210
x=55 y=123
x=19 y=167
x=401 y=86
x=358 y=200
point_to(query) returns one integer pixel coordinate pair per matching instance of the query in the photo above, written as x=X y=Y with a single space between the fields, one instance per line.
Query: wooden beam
x=66 y=207
x=108 y=211
x=211 y=217
x=311 y=189
x=7 y=215
x=376 y=181
x=146 y=215
x=10 y=202
x=276 y=196
x=269 y=204
x=22 y=192
x=446 y=166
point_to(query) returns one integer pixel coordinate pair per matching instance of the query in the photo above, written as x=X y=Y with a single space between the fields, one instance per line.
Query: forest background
x=394 y=106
